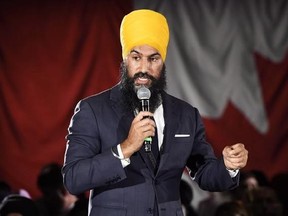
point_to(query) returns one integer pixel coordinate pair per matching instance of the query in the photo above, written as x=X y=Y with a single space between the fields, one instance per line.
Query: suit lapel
x=171 y=118
x=116 y=101
x=124 y=117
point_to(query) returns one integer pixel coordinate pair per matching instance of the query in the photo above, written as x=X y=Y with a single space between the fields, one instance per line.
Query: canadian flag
x=229 y=59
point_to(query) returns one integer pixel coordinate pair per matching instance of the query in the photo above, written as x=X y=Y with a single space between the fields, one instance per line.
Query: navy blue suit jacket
x=100 y=122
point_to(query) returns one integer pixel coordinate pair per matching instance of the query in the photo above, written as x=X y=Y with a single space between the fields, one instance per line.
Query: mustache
x=143 y=75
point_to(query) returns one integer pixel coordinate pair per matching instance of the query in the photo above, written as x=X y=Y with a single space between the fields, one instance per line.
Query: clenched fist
x=235 y=156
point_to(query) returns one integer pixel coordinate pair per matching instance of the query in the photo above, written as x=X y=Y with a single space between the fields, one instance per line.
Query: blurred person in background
x=262 y=201
x=55 y=199
x=5 y=190
x=17 y=205
x=186 y=196
x=231 y=208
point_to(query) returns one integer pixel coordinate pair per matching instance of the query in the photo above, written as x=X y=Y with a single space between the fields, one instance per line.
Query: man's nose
x=145 y=65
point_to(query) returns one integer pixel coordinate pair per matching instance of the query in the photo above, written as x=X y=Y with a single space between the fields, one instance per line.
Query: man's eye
x=136 y=58
x=153 y=59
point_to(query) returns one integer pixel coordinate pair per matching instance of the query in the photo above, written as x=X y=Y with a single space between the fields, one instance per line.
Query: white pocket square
x=182 y=135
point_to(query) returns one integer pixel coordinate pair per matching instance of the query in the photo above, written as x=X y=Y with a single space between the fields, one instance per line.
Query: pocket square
x=182 y=135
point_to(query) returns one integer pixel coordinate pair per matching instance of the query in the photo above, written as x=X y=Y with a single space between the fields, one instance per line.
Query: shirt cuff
x=117 y=152
x=233 y=173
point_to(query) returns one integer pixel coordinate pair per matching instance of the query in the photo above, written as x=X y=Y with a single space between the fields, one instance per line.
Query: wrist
x=116 y=153
x=127 y=149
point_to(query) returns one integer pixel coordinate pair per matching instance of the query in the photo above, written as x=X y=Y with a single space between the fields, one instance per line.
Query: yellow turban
x=144 y=27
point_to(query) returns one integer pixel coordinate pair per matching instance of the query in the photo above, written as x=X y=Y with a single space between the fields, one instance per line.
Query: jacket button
x=150 y=211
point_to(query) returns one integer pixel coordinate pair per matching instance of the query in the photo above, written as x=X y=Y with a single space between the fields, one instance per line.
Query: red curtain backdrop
x=53 y=53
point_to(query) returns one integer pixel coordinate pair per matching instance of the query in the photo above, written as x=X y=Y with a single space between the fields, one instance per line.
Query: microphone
x=143 y=95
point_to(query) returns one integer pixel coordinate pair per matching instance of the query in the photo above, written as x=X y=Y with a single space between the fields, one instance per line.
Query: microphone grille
x=143 y=93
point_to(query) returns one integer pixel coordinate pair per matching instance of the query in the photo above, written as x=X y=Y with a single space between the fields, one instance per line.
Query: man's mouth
x=142 y=80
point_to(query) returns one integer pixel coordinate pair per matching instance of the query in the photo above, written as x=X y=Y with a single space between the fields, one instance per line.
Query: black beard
x=129 y=91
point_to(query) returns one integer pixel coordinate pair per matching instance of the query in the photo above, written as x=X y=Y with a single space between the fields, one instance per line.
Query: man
x=105 y=152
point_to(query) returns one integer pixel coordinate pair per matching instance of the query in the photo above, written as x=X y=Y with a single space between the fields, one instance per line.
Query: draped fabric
x=52 y=53
x=228 y=58
x=212 y=49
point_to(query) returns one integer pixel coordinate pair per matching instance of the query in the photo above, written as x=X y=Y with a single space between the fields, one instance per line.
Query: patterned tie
x=155 y=147
x=153 y=155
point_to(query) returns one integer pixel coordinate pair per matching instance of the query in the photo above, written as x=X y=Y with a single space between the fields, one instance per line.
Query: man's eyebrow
x=134 y=51
x=152 y=55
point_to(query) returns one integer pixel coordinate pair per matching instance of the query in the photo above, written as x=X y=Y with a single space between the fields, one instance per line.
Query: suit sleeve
x=208 y=171
x=86 y=164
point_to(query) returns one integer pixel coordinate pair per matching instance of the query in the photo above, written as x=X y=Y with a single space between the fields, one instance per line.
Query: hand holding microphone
x=143 y=95
x=142 y=127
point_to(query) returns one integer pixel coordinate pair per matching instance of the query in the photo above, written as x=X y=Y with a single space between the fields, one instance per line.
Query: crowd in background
x=55 y=200
x=255 y=196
